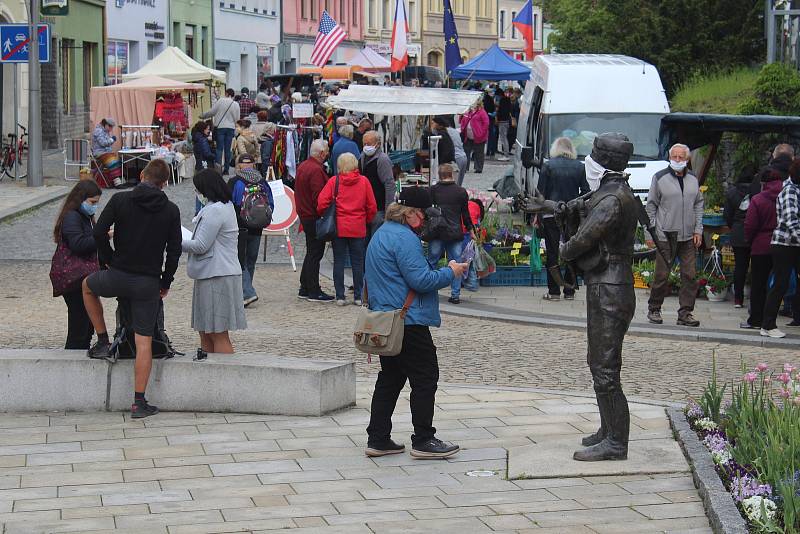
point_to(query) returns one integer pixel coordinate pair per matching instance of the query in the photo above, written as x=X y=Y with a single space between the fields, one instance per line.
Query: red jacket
x=761 y=219
x=474 y=215
x=355 y=204
x=479 y=121
x=311 y=178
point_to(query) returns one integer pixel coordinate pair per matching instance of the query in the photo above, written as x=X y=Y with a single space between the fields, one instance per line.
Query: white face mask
x=677 y=166
x=370 y=150
x=202 y=199
x=594 y=171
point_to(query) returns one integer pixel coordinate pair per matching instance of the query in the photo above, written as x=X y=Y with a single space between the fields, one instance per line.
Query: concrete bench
x=46 y=380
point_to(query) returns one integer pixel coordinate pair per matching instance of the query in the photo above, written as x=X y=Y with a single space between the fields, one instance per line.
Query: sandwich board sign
x=15 y=43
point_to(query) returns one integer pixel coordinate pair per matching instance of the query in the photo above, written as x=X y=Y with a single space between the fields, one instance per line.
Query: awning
x=410 y=101
x=174 y=64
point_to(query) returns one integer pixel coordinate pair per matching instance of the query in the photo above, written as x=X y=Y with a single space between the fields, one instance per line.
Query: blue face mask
x=88 y=209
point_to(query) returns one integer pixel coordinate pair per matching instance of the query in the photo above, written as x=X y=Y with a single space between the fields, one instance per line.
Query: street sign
x=54 y=8
x=15 y=42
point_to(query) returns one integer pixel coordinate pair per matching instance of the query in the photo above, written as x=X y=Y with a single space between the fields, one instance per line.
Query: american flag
x=328 y=38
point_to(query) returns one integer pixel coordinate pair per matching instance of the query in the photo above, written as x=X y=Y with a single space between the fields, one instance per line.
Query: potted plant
x=717 y=287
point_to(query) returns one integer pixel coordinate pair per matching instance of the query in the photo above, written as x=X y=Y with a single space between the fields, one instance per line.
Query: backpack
x=124 y=345
x=255 y=211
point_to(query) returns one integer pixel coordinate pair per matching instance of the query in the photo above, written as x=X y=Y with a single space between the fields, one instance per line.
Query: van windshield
x=581 y=129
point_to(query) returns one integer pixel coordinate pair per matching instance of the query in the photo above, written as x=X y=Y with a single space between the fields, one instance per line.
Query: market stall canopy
x=493 y=64
x=132 y=102
x=411 y=101
x=700 y=129
x=370 y=61
x=174 y=64
x=330 y=73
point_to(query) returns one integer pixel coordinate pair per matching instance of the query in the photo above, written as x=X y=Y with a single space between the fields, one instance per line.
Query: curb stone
x=720 y=509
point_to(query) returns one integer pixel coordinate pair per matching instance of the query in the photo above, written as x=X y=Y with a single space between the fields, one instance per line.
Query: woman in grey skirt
x=214 y=266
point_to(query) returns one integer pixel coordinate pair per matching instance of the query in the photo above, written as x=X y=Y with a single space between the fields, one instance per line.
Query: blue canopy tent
x=493 y=64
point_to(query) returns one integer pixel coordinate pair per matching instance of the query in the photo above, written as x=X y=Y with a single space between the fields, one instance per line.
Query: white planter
x=715 y=297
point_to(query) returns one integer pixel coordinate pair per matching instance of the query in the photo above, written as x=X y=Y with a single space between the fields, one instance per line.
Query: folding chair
x=76 y=154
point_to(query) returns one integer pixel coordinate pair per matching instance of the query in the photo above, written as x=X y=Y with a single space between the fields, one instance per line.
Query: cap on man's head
x=111 y=122
x=245 y=158
x=416 y=197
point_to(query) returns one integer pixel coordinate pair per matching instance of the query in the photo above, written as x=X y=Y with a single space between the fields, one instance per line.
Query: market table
x=128 y=155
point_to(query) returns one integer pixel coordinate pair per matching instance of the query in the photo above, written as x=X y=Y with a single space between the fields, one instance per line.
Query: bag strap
x=406 y=305
x=226 y=110
x=336 y=188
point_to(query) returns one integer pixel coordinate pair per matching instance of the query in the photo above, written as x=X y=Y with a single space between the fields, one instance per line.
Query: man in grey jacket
x=377 y=168
x=675 y=208
x=225 y=113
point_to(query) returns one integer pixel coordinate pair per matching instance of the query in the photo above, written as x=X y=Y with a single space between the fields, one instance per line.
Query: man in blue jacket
x=398 y=276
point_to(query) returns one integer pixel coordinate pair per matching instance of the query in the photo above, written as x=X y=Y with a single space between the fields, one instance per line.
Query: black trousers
x=741 y=258
x=784 y=259
x=552 y=237
x=760 y=267
x=79 y=327
x=416 y=363
x=315 y=250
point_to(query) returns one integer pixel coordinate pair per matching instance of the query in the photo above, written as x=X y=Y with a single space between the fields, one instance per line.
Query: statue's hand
x=538 y=204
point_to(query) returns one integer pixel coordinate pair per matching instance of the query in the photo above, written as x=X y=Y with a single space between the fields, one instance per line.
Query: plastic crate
x=509 y=276
x=713 y=220
x=539 y=279
x=403 y=158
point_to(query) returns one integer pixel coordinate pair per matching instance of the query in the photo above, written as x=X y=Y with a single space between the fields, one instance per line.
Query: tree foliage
x=680 y=37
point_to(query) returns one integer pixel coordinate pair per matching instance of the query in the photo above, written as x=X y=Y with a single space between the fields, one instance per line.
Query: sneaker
x=654 y=316
x=454 y=300
x=248 y=301
x=478 y=172
x=100 y=350
x=793 y=323
x=358 y=302
x=747 y=326
x=384 y=448
x=302 y=295
x=140 y=410
x=548 y=296
x=738 y=304
x=434 y=448
x=569 y=297
x=341 y=302
x=774 y=333
x=687 y=320
x=320 y=297
x=502 y=158
x=471 y=289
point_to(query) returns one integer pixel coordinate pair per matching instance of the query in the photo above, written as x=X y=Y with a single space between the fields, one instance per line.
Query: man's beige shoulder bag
x=381 y=332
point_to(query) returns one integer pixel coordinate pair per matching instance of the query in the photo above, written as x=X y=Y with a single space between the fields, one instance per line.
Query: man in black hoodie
x=145 y=224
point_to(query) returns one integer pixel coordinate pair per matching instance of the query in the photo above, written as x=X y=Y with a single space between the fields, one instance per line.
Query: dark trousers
x=687 y=255
x=315 y=250
x=223 y=137
x=760 y=267
x=416 y=363
x=79 y=327
x=476 y=151
x=741 y=258
x=784 y=259
x=552 y=237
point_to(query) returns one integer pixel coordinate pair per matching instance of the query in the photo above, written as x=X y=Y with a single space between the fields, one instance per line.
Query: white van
x=582 y=95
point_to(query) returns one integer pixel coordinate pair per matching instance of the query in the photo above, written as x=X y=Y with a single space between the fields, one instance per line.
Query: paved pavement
x=200 y=473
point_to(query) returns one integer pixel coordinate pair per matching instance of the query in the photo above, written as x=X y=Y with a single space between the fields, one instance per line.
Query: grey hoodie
x=674 y=210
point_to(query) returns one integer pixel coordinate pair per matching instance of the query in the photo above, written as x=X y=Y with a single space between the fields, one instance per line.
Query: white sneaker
x=502 y=158
x=358 y=302
x=341 y=302
x=772 y=333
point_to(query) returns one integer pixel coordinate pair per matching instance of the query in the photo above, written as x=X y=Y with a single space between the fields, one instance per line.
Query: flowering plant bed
x=755 y=444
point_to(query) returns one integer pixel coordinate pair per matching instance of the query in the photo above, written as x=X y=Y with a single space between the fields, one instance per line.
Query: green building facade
x=77 y=63
x=192 y=24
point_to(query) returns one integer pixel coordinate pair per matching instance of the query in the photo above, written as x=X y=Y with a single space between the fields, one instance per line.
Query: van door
x=529 y=150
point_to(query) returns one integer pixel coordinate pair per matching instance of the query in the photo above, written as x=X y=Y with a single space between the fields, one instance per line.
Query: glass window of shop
x=117 y=53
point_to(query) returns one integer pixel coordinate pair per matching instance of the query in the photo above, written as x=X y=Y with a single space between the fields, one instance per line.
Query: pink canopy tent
x=133 y=102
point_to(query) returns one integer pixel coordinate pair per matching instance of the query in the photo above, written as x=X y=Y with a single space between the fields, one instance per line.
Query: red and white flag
x=400 y=37
x=328 y=38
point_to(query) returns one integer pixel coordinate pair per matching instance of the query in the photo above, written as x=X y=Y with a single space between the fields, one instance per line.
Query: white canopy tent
x=370 y=61
x=174 y=64
x=404 y=101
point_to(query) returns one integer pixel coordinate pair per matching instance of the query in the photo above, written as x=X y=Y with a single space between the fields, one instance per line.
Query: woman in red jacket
x=475 y=131
x=355 y=208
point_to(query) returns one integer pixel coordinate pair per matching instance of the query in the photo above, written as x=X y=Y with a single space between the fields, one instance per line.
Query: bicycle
x=14 y=151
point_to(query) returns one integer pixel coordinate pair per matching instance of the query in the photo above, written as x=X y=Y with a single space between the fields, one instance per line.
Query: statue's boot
x=597 y=437
x=615 y=444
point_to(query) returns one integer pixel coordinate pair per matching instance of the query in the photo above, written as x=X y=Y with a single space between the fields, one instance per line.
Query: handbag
x=381 y=332
x=435 y=225
x=67 y=269
x=326 y=225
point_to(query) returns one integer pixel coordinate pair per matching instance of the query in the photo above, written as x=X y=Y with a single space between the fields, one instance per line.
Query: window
x=535 y=26
x=513 y=28
x=176 y=34
x=502 y=24
x=66 y=74
x=89 y=53
x=412 y=16
x=303 y=10
x=314 y=9
x=356 y=5
x=151 y=49
x=189 y=41
x=342 y=13
x=387 y=23
x=371 y=7
x=204 y=45
x=434 y=58
x=117 y=59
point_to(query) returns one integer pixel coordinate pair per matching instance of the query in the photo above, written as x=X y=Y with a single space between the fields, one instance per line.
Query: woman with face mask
x=77 y=251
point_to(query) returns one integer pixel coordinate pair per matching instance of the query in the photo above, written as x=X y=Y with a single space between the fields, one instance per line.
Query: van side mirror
x=528 y=158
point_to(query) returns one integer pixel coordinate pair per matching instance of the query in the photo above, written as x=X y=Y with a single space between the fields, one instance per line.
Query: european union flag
x=452 y=54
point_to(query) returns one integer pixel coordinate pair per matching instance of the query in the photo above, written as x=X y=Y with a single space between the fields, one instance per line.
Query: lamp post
x=35 y=178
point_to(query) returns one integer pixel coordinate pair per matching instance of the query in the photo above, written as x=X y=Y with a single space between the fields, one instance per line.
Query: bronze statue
x=604 y=225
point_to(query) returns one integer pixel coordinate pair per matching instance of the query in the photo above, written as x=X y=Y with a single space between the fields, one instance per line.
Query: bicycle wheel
x=21 y=155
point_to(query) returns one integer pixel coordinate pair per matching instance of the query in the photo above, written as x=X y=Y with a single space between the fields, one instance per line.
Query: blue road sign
x=15 y=43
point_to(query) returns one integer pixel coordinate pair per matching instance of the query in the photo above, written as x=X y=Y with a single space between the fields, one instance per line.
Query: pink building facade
x=301 y=22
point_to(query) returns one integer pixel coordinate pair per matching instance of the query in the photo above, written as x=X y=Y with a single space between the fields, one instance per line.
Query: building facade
x=137 y=31
x=508 y=37
x=247 y=35
x=13 y=12
x=378 y=20
x=301 y=24
x=476 y=21
x=77 y=64
x=192 y=29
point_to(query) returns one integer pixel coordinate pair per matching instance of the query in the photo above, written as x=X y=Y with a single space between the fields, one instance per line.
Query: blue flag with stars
x=452 y=54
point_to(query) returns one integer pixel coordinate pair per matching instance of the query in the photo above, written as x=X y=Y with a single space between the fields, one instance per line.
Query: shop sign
x=380 y=48
x=414 y=50
x=154 y=30
x=146 y=3
x=54 y=8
